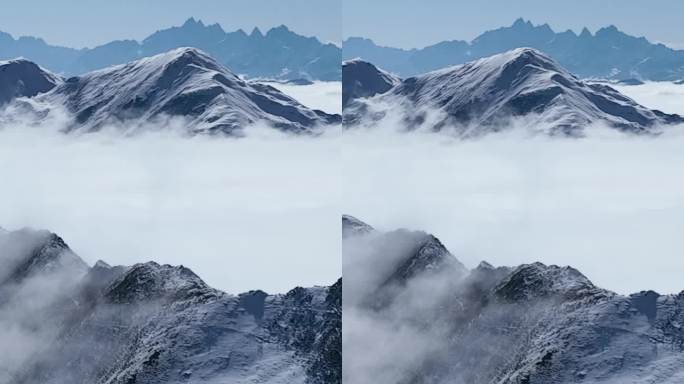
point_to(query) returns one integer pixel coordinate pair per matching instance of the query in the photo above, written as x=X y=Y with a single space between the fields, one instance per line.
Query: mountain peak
x=152 y=281
x=256 y=32
x=28 y=252
x=363 y=79
x=585 y=34
x=351 y=226
x=23 y=78
x=279 y=30
x=521 y=23
x=191 y=22
x=539 y=280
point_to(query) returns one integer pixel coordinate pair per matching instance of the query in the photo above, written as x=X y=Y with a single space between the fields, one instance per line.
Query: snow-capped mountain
x=278 y=53
x=362 y=79
x=527 y=324
x=185 y=83
x=606 y=54
x=482 y=96
x=64 y=322
x=20 y=77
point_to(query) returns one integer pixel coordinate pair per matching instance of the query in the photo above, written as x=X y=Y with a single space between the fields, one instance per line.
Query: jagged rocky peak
x=27 y=252
x=351 y=226
x=185 y=83
x=362 y=79
x=23 y=78
x=151 y=281
x=519 y=87
x=536 y=280
x=152 y=323
x=429 y=256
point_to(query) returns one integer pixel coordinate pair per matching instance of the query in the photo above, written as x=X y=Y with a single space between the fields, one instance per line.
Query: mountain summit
x=483 y=95
x=185 y=83
x=20 y=77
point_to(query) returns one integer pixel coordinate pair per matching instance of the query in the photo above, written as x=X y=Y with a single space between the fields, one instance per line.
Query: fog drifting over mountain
x=609 y=204
x=323 y=95
x=259 y=212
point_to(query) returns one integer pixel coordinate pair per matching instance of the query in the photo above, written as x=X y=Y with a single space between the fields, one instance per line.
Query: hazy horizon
x=64 y=24
x=445 y=20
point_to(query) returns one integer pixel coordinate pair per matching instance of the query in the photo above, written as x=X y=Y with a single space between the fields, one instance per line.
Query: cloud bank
x=259 y=212
x=610 y=205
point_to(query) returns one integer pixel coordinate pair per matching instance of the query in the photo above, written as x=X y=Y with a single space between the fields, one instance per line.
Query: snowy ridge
x=362 y=79
x=482 y=96
x=152 y=323
x=20 y=77
x=534 y=323
x=183 y=83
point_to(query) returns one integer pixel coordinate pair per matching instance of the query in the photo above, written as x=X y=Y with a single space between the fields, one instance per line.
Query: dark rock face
x=20 y=77
x=529 y=324
x=607 y=54
x=487 y=96
x=152 y=323
x=362 y=79
x=278 y=54
x=184 y=83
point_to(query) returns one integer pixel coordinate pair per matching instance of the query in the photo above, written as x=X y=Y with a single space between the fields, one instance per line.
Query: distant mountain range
x=279 y=53
x=607 y=54
x=413 y=313
x=185 y=83
x=487 y=95
x=65 y=322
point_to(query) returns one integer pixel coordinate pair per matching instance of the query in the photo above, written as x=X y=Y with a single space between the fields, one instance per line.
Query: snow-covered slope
x=20 y=77
x=152 y=323
x=528 y=324
x=482 y=96
x=362 y=79
x=183 y=83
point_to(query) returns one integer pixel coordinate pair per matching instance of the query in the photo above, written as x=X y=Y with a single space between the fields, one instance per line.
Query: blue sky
x=79 y=23
x=411 y=23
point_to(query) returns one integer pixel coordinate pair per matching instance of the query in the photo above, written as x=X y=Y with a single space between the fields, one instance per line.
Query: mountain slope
x=280 y=53
x=152 y=323
x=607 y=54
x=20 y=77
x=362 y=79
x=529 y=324
x=184 y=83
x=482 y=96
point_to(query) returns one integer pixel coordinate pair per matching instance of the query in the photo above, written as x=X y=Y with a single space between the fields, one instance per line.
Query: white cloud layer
x=610 y=205
x=260 y=212
x=323 y=95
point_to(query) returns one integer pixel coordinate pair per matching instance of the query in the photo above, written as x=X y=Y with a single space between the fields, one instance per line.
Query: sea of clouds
x=259 y=212
x=610 y=204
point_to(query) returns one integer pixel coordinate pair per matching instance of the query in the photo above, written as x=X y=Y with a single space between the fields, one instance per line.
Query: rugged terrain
x=492 y=94
x=184 y=83
x=606 y=54
x=421 y=317
x=65 y=322
x=277 y=54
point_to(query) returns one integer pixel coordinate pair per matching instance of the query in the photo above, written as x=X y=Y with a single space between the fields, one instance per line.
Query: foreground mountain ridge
x=151 y=323
x=486 y=95
x=279 y=53
x=184 y=83
x=606 y=54
x=533 y=323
